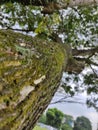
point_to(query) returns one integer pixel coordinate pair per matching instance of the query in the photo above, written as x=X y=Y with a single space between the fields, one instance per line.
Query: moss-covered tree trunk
x=30 y=73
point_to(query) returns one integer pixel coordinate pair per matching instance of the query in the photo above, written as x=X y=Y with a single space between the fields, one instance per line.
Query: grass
x=39 y=128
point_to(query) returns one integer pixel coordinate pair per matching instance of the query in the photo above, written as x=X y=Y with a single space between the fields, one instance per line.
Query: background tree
x=66 y=127
x=82 y=123
x=54 y=117
x=69 y=120
x=42 y=119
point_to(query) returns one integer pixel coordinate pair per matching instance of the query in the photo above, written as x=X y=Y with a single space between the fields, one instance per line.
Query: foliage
x=54 y=117
x=66 y=127
x=69 y=119
x=82 y=123
x=77 y=26
x=42 y=119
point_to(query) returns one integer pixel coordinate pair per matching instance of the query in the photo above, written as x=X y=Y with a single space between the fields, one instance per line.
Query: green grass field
x=39 y=128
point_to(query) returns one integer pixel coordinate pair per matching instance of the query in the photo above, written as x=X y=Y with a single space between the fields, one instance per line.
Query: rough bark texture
x=59 y=3
x=30 y=72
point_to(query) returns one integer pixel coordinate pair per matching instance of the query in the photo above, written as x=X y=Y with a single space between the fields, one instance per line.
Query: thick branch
x=86 y=60
x=63 y=3
x=73 y=66
x=85 y=52
x=50 y=7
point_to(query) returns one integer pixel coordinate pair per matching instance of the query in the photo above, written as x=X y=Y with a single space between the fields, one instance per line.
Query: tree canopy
x=54 y=117
x=82 y=123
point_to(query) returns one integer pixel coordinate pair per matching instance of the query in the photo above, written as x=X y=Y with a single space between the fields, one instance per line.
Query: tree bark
x=62 y=3
x=30 y=73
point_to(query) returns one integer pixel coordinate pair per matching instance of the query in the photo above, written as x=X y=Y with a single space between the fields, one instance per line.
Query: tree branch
x=63 y=3
x=62 y=100
x=85 y=52
x=87 y=60
x=21 y=30
x=93 y=71
x=50 y=7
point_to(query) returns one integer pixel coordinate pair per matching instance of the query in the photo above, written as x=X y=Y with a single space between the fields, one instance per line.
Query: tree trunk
x=30 y=73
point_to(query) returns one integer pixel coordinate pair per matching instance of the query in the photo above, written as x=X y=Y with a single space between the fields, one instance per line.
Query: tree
x=69 y=120
x=82 y=123
x=42 y=119
x=66 y=127
x=54 y=117
x=31 y=68
x=67 y=123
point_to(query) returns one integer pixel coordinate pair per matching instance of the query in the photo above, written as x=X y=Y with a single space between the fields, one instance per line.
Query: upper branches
x=51 y=5
x=86 y=55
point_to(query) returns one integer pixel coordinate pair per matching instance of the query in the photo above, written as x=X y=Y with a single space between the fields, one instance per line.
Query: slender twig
x=17 y=29
x=63 y=101
x=93 y=71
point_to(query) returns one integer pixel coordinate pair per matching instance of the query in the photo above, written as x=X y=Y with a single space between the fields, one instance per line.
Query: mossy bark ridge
x=30 y=73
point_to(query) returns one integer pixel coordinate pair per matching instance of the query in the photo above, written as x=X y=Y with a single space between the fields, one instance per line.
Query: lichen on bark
x=30 y=73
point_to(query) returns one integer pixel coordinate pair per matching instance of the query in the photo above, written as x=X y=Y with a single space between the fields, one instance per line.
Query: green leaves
x=19 y=16
x=68 y=89
x=54 y=117
x=82 y=123
x=78 y=25
x=89 y=79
